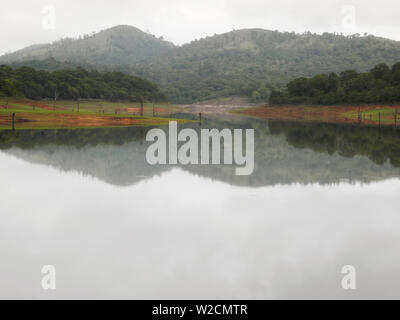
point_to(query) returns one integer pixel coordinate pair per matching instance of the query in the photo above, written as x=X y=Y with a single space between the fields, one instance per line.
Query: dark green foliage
x=380 y=85
x=79 y=138
x=248 y=63
x=76 y=84
x=8 y=87
x=379 y=145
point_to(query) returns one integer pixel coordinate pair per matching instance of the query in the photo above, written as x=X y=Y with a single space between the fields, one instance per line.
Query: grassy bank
x=373 y=115
x=85 y=114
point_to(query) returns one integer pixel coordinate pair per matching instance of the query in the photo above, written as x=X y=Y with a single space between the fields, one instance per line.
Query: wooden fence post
x=379 y=120
x=13 y=122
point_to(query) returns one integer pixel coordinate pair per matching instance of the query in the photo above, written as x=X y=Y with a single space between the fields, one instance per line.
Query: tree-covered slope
x=248 y=62
x=252 y=62
x=380 y=85
x=76 y=84
x=115 y=46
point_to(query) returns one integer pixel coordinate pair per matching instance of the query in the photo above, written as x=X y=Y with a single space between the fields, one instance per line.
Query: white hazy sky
x=26 y=22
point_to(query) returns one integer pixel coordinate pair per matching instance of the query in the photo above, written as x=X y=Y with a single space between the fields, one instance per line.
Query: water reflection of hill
x=285 y=153
x=379 y=145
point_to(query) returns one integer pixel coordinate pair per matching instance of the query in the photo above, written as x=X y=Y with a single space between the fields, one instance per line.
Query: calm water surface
x=85 y=201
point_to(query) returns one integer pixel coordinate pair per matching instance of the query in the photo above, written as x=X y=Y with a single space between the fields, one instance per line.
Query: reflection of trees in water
x=286 y=153
x=27 y=139
x=379 y=145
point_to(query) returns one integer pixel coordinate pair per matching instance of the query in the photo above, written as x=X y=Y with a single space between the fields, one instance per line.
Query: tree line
x=76 y=84
x=372 y=142
x=380 y=85
x=251 y=63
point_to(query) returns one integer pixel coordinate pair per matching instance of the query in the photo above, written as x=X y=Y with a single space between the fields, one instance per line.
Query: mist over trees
x=253 y=62
x=380 y=85
x=248 y=63
x=76 y=84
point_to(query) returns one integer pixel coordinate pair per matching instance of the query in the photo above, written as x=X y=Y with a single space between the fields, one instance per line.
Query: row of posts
x=101 y=111
x=362 y=116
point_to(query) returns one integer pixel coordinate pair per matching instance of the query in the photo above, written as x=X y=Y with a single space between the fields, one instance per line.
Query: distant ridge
x=115 y=46
x=248 y=62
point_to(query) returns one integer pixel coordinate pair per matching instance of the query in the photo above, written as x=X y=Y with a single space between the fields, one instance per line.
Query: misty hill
x=115 y=46
x=251 y=62
x=247 y=63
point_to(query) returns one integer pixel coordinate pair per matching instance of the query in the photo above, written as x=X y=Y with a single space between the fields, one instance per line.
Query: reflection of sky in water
x=178 y=235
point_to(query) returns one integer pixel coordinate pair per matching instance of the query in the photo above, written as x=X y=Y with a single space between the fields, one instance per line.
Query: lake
x=321 y=197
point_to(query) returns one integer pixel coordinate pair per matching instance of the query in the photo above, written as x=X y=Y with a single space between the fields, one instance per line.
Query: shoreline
x=374 y=115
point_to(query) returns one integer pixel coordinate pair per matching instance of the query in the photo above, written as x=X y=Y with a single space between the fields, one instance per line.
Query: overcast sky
x=26 y=22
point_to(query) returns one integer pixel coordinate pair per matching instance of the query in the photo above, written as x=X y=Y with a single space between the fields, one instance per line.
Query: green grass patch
x=92 y=114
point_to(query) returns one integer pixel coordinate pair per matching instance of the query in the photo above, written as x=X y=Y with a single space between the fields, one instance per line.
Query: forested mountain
x=115 y=46
x=252 y=62
x=380 y=85
x=76 y=84
x=248 y=63
x=51 y=64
